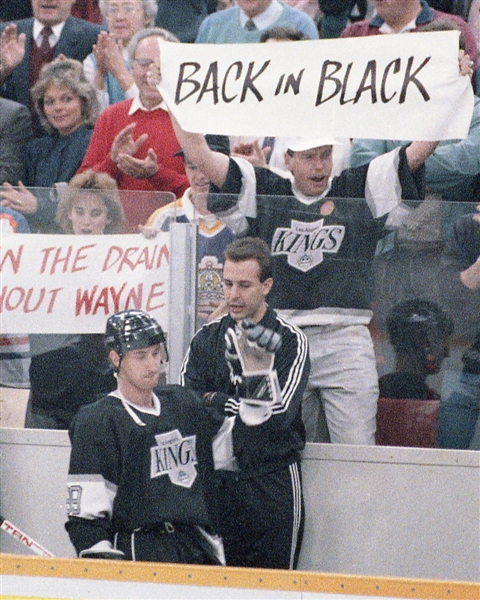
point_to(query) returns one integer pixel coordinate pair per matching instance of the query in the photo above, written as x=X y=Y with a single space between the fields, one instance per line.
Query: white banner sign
x=405 y=86
x=71 y=284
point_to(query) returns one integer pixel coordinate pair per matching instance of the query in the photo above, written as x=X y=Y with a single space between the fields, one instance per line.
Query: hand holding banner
x=405 y=86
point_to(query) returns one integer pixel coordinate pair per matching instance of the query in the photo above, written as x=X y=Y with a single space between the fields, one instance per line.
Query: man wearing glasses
x=133 y=141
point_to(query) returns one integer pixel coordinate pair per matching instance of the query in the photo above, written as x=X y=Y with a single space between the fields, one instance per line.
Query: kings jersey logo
x=306 y=243
x=176 y=457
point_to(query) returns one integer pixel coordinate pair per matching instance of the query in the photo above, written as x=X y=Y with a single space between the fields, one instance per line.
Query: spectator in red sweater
x=134 y=142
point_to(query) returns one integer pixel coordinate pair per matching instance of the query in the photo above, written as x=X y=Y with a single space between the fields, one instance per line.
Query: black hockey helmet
x=131 y=330
x=409 y=318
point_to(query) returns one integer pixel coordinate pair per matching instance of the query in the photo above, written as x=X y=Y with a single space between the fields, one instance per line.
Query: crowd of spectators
x=67 y=109
x=350 y=349
x=75 y=97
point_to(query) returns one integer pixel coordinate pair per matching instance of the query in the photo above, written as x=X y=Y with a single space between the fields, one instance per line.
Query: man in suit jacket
x=15 y=132
x=74 y=38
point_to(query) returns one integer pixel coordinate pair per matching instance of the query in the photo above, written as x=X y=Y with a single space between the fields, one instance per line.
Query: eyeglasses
x=144 y=63
x=128 y=9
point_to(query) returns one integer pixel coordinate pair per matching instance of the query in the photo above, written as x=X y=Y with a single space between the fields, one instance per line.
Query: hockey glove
x=250 y=354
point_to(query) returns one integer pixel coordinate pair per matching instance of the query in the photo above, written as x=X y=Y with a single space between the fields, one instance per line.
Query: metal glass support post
x=183 y=294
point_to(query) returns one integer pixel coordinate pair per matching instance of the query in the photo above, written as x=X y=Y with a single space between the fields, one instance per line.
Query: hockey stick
x=23 y=538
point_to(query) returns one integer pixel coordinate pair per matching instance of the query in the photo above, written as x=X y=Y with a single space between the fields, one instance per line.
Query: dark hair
x=407 y=319
x=217 y=143
x=288 y=34
x=249 y=248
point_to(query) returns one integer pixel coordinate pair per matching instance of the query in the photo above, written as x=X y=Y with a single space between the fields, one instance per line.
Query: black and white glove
x=265 y=338
x=250 y=349
x=250 y=354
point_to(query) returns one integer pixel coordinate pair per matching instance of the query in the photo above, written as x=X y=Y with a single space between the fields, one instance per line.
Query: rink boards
x=47 y=578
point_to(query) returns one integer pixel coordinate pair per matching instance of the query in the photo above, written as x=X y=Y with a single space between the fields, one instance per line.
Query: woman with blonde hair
x=67 y=107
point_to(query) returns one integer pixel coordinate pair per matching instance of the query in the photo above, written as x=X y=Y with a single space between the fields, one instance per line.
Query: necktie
x=45 y=45
x=250 y=25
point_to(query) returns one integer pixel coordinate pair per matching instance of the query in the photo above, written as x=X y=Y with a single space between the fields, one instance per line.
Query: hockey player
x=138 y=480
x=322 y=232
x=408 y=407
x=418 y=330
x=251 y=367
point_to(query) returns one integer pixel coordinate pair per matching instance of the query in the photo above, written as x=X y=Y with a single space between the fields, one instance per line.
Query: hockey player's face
x=244 y=292
x=311 y=169
x=434 y=347
x=140 y=369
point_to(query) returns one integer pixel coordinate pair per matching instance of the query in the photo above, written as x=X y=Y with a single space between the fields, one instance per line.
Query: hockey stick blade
x=23 y=538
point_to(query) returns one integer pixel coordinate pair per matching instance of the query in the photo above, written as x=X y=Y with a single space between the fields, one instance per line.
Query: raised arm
x=212 y=164
x=12 y=50
x=418 y=152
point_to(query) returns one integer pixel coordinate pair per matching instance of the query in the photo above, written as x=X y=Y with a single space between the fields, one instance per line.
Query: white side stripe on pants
x=297 y=509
